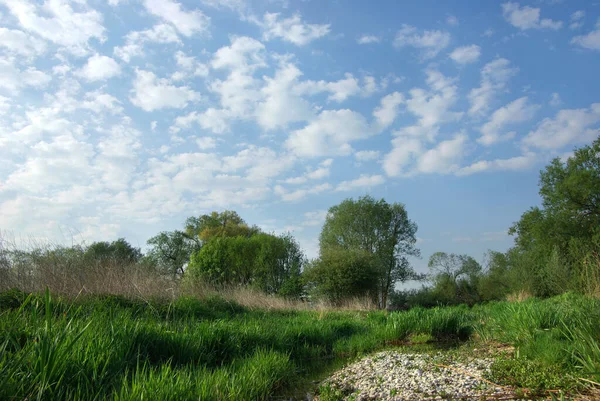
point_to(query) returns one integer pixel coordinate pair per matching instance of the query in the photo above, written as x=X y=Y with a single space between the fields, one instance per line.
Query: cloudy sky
x=121 y=118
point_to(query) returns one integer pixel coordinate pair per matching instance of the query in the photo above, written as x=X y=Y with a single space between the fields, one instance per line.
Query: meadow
x=106 y=347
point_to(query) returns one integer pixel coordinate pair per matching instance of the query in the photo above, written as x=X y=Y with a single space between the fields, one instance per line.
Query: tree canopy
x=215 y=224
x=378 y=228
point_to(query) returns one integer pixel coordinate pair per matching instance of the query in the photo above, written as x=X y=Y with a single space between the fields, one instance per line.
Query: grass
x=117 y=348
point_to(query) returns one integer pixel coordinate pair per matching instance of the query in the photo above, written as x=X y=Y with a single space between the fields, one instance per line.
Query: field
x=115 y=348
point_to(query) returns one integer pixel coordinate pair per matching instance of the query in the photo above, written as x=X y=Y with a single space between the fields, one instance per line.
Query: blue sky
x=121 y=118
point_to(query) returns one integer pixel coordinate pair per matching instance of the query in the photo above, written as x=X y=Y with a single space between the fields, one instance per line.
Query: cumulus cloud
x=527 y=17
x=386 y=112
x=13 y=78
x=135 y=40
x=19 y=43
x=187 y=23
x=576 y=19
x=429 y=42
x=367 y=155
x=568 y=127
x=589 y=41
x=99 y=68
x=466 y=54
x=291 y=29
x=368 y=39
x=151 y=93
x=517 y=163
x=364 y=181
x=329 y=134
x=515 y=112
x=57 y=22
x=339 y=90
x=494 y=77
x=299 y=194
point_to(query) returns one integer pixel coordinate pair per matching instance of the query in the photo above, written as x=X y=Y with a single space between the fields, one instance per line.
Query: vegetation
x=111 y=347
x=376 y=228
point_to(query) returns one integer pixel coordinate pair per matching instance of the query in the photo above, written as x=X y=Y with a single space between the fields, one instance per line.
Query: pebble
x=396 y=376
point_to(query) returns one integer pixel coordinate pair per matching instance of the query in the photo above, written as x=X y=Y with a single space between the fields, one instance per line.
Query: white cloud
x=576 y=19
x=555 y=100
x=281 y=105
x=339 y=90
x=367 y=155
x=99 y=68
x=150 y=93
x=386 y=112
x=367 y=39
x=300 y=194
x=452 y=20
x=135 y=40
x=433 y=107
x=591 y=40
x=364 y=181
x=62 y=25
x=19 y=43
x=517 y=163
x=404 y=152
x=568 y=127
x=466 y=54
x=494 y=77
x=13 y=79
x=189 y=67
x=515 y=112
x=315 y=218
x=206 y=142
x=187 y=23
x=329 y=134
x=527 y=17
x=430 y=42
x=99 y=102
x=444 y=158
x=291 y=29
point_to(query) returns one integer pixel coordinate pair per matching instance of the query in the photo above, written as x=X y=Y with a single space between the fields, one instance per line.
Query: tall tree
x=119 y=251
x=378 y=228
x=171 y=250
x=215 y=224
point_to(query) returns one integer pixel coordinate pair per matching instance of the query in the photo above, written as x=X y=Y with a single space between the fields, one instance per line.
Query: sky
x=121 y=118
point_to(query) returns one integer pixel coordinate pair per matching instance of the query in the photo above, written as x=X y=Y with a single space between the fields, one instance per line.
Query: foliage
x=116 y=348
x=269 y=263
x=215 y=224
x=171 y=250
x=378 y=228
x=119 y=251
x=340 y=274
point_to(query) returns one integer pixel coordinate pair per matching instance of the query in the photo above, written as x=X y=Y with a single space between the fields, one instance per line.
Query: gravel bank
x=391 y=375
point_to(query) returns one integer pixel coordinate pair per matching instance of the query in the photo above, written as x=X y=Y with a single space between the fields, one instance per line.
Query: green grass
x=112 y=348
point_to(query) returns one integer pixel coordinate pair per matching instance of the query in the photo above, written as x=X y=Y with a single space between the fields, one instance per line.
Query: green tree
x=378 y=228
x=341 y=274
x=455 y=277
x=119 y=251
x=170 y=251
x=553 y=242
x=215 y=224
x=267 y=262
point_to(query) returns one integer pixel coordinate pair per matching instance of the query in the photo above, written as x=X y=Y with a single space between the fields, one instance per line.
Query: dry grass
x=519 y=296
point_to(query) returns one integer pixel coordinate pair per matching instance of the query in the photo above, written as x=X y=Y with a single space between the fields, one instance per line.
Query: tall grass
x=118 y=348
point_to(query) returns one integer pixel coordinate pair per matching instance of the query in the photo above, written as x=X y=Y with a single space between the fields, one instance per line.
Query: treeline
x=364 y=247
x=556 y=248
x=364 y=250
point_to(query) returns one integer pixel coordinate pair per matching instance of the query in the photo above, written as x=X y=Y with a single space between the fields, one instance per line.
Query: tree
x=341 y=274
x=269 y=263
x=171 y=250
x=215 y=224
x=119 y=251
x=553 y=242
x=378 y=228
x=455 y=277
